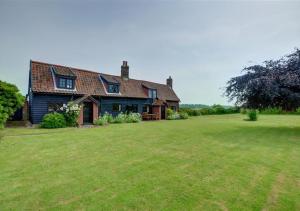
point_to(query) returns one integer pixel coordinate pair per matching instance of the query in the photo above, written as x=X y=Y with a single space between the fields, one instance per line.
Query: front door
x=87 y=113
x=163 y=112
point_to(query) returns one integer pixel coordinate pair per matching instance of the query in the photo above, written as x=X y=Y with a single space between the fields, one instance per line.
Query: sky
x=201 y=44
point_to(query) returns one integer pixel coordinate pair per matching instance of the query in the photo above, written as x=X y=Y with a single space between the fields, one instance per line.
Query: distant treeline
x=193 y=106
x=209 y=110
x=198 y=106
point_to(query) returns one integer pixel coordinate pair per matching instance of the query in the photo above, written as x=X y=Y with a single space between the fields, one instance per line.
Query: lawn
x=204 y=163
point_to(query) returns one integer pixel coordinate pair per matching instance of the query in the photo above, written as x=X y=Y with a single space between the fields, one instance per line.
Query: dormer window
x=152 y=93
x=111 y=84
x=113 y=88
x=64 y=77
x=65 y=83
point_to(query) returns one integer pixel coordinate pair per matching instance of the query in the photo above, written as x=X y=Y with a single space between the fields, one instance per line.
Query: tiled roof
x=109 y=78
x=65 y=71
x=89 y=83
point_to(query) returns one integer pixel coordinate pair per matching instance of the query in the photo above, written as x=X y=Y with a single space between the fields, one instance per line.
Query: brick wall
x=80 y=118
x=95 y=111
x=156 y=110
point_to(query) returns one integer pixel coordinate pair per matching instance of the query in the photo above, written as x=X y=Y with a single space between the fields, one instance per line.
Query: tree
x=10 y=100
x=276 y=83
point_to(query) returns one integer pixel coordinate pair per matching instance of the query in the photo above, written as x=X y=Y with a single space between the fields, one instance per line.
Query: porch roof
x=85 y=98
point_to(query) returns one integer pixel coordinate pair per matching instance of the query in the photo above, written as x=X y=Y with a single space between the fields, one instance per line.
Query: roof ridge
x=135 y=79
x=76 y=68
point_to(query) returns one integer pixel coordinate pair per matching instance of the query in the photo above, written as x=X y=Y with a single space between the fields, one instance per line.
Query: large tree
x=275 y=83
x=10 y=100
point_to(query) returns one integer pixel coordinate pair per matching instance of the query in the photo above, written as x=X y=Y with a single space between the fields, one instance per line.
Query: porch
x=89 y=110
x=156 y=111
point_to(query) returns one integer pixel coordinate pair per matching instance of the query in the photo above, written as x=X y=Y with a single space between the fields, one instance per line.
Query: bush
x=174 y=116
x=169 y=112
x=206 y=111
x=100 y=121
x=243 y=111
x=191 y=112
x=183 y=115
x=272 y=111
x=71 y=112
x=104 y=120
x=215 y=109
x=10 y=100
x=133 y=118
x=110 y=118
x=53 y=120
x=232 y=110
x=298 y=111
x=121 y=118
x=252 y=115
x=218 y=109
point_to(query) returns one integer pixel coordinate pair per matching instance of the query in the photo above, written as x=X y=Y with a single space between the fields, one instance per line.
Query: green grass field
x=204 y=163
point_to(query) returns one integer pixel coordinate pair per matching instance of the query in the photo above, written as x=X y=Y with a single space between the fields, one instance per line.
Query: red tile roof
x=65 y=71
x=89 y=83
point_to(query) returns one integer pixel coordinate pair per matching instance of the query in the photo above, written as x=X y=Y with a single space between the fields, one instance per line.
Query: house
x=51 y=86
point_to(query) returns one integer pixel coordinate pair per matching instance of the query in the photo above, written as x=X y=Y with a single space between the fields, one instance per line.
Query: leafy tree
x=10 y=100
x=276 y=83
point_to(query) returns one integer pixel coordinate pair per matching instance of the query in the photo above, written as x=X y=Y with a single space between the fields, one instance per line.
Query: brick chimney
x=170 y=82
x=125 y=71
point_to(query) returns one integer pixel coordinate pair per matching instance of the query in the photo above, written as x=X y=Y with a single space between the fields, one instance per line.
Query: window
x=174 y=108
x=145 y=109
x=62 y=82
x=69 y=84
x=113 y=88
x=152 y=93
x=65 y=83
x=54 y=107
x=116 y=107
x=131 y=108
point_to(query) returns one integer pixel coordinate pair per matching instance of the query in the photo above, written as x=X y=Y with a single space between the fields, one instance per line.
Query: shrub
x=3 y=116
x=110 y=118
x=133 y=118
x=191 y=112
x=252 y=115
x=121 y=118
x=169 y=112
x=10 y=100
x=104 y=120
x=173 y=116
x=71 y=113
x=218 y=109
x=215 y=109
x=232 y=110
x=100 y=121
x=183 y=115
x=53 y=120
x=243 y=111
x=298 y=111
x=271 y=110
x=206 y=111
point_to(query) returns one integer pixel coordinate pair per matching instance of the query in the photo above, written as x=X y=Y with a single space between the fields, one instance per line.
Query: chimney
x=170 y=82
x=125 y=71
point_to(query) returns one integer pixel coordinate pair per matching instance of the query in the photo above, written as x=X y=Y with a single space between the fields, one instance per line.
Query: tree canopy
x=275 y=83
x=10 y=100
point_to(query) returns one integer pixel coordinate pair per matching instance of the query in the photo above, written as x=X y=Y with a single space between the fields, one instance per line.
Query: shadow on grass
x=249 y=120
